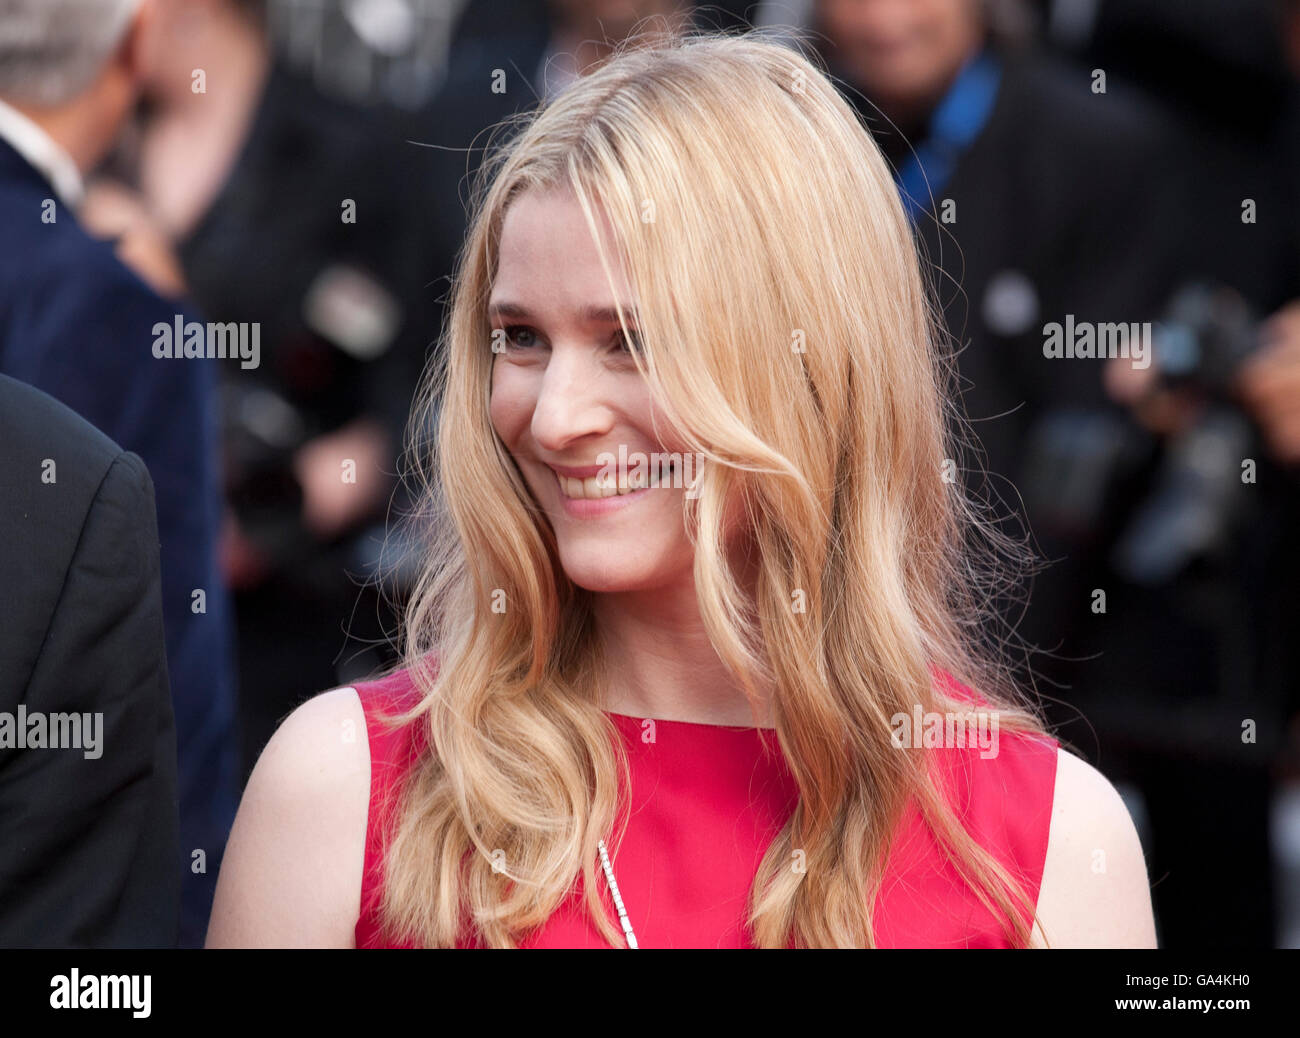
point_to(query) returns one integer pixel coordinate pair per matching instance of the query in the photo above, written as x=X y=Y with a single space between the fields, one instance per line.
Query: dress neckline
x=632 y=719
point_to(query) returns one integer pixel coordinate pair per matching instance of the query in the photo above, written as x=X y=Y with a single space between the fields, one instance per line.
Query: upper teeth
x=595 y=486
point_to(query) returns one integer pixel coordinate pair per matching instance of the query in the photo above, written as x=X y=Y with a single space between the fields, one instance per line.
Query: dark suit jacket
x=77 y=324
x=88 y=846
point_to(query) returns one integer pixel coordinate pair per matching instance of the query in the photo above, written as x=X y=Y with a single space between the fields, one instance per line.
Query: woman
x=724 y=701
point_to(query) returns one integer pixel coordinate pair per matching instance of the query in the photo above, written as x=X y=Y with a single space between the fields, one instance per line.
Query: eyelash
x=634 y=346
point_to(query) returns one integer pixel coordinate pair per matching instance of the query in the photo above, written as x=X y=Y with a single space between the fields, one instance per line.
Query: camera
x=1097 y=476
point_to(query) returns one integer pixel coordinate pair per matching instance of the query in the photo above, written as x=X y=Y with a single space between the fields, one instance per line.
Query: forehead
x=548 y=260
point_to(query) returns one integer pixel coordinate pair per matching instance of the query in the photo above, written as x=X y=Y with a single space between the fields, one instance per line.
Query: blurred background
x=1113 y=161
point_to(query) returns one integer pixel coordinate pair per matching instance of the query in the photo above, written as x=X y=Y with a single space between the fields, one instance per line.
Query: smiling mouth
x=594 y=487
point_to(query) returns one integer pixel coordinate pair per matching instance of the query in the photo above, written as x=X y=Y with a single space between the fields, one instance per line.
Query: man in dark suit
x=76 y=323
x=88 y=825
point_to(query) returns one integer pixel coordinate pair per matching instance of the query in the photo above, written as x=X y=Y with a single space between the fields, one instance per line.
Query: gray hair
x=52 y=50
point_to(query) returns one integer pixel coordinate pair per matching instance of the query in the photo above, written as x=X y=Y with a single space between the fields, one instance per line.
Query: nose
x=572 y=402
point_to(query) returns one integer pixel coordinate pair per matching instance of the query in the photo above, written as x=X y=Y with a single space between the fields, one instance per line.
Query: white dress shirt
x=44 y=154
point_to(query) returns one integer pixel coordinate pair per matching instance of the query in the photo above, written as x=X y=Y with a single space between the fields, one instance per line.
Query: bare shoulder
x=291 y=875
x=1095 y=892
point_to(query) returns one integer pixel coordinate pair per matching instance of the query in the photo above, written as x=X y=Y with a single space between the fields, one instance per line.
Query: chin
x=610 y=575
x=604 y=567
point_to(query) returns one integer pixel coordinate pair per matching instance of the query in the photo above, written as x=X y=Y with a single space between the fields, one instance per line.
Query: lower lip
x=591 y=507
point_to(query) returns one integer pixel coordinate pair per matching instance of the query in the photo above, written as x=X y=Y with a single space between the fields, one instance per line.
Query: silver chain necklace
x=618 y=898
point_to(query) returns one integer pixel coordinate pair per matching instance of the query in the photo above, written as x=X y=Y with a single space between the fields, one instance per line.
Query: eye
x=629 y=343
x=513 y=333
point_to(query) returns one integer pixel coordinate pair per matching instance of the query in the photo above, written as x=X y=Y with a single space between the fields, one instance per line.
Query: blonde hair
x=775 y=222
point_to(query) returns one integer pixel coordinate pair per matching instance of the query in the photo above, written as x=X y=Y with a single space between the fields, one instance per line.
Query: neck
x=77 y=128
x=662 y=662
x=916 y=111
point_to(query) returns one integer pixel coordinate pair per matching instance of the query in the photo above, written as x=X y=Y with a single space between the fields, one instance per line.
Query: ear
x=132 y=51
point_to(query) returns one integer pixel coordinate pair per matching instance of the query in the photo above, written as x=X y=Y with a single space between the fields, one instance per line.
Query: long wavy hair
x=788 y=330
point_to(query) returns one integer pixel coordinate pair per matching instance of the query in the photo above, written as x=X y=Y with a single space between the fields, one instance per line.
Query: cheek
x=512 y=402
x=651 y=419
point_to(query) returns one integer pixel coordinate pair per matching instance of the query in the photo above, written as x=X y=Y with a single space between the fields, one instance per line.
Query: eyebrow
x=589 y=314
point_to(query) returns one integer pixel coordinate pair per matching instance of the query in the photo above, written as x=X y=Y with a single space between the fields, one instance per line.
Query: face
x=167 y=48
x=902 y=52
x=565 y=390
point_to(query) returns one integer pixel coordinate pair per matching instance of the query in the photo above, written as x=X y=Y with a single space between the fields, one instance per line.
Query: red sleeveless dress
x=706 y=803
